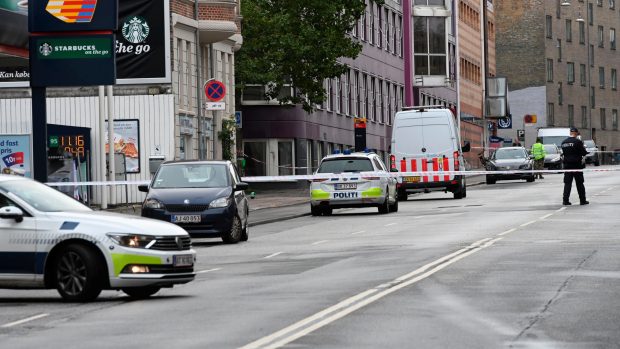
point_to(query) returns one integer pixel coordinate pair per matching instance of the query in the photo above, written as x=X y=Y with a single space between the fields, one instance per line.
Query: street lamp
x=580 y=19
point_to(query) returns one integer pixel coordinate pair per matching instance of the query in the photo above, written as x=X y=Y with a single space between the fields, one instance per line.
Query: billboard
x=15 y=155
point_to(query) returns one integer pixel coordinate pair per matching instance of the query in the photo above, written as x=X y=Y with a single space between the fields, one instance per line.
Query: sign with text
x=215 y=106
x=72 y=15
x=15 y=155
x=85 y=60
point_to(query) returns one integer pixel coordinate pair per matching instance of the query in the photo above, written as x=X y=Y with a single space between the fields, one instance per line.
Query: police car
x=352 y=180
x=49 y=240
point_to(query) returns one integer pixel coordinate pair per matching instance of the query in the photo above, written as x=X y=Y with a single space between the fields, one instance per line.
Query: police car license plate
x=345 y=186
x=188 y=218
x=345 y=195
x=186 y=260
x=415 y=179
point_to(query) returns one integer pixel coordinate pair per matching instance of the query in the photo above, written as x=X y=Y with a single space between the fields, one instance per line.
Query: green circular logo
x=135 y=29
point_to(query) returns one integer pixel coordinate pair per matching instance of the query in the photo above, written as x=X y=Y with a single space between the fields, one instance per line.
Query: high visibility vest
x=538 y=151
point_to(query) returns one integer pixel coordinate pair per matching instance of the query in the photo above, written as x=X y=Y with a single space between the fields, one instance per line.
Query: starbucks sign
x=136 y=30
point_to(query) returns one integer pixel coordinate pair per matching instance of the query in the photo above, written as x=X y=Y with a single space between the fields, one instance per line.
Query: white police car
x=49 y=240
x=352 y=180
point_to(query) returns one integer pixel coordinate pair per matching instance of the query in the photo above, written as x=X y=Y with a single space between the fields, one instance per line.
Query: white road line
x=359 y=232
x=526 y=224
x=23 y=321
x=208 y=271
x=320 y=242
x=391 y=224
x=273 y=255
x=507 y=232
x=346 y=307
x=546 y=216
x=561 y=209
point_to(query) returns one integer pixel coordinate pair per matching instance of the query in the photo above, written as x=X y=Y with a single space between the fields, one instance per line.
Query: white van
x=426 y=139
x=554 y=135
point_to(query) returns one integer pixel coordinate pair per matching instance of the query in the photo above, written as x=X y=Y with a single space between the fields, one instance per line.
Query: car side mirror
x=12 y=212
x=393 y=170
x=241 y=186
x=467 y=147
x=143 y=188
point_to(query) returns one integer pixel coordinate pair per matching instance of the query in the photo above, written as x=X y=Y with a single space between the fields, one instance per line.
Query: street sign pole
x=39 y=134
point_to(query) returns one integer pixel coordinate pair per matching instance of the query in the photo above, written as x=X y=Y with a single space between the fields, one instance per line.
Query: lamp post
x=589 y=58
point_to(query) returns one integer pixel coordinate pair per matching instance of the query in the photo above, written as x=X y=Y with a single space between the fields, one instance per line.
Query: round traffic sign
x=215 y=90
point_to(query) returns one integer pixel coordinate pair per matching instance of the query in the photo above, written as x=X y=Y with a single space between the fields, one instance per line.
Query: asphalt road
x=506 y=267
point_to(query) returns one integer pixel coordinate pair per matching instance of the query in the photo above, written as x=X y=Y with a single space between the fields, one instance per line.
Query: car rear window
x=551 y=149
x=506 y=154
x=589 y=144
x=346 y=165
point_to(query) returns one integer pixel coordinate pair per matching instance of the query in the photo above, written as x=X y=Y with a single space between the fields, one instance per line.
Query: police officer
x=538 y=151
x=574 y=151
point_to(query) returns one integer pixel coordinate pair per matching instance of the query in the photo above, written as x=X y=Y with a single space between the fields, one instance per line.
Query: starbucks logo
x=136 y=30
x=46 y=49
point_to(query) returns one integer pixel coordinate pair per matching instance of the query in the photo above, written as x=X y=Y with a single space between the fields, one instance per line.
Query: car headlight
x=154 y=203
x=132 y=240
x=525 y=167
x=556 y=159
x=219 y=203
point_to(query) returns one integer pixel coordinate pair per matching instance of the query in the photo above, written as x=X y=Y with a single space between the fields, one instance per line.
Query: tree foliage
x=296 y=42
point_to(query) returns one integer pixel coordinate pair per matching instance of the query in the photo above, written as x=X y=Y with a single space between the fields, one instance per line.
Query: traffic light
x=530 y=119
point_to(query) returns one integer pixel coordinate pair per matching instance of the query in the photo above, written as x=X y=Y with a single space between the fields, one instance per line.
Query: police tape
x=358 y=175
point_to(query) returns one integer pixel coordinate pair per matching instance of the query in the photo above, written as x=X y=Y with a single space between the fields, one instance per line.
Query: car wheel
x=315 y=210
x=597 y=163
x=385 y=206
x=235 y=233
x=465 y=191
x=327 y=211
x=245 y=231
x=394 y=206
x=491 y=180
x=531 y=179
x=79 y=274
x=141 y=292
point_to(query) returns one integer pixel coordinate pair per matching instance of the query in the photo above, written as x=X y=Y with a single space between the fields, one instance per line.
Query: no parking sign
x=215 y=90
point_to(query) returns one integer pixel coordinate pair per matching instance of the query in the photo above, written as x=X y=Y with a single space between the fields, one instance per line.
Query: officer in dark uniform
x=574 y=151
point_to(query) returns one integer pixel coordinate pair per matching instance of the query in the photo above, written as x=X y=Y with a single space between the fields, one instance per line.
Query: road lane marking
x=526 y=224
x=273 y=255
x=208 y=271
x=546 y=216
x=359 y=232
x=320 y=242
x=507 y=232
x=346 y=307
x=23 y=321
x=561 y=209
x=391 y=224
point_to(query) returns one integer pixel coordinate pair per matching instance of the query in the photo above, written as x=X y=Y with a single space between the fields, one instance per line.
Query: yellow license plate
x=415 y=179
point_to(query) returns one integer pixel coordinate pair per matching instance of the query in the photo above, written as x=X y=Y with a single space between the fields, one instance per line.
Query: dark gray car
x=592 y=157
x=508 y=159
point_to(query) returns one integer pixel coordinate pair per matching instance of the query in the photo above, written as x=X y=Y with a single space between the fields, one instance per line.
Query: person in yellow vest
x=538 y=152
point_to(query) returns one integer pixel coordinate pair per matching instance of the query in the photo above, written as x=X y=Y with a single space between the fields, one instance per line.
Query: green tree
x=296 y=42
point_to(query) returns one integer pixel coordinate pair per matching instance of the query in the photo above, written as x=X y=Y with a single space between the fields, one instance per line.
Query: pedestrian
x=538 y=151
x=574 y=151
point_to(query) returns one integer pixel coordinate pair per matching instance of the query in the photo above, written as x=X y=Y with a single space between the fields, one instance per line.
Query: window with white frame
x=430 y=46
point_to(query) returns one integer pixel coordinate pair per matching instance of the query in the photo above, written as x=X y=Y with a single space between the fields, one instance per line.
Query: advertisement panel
x=15 y=155
x=45 y=16
x=142 y=43
x=126 y=141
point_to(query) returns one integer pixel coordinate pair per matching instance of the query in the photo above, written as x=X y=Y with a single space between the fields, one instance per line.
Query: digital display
x=69 y=144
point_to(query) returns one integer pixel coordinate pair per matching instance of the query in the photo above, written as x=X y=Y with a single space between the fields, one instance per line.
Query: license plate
x=415 y=179
x=186 y=260
x=345 y=195
x=194 y=218
x=345 y=186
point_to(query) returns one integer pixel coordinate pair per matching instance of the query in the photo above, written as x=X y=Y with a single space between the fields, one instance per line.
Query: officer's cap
x=574 y=129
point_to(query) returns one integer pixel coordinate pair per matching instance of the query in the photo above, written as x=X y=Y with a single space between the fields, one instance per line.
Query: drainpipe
x=407 y=53
x=212 y=64
x=485 y=67
x=201 y=150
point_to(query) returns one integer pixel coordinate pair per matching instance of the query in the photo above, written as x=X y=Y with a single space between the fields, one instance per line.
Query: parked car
x=593 y=153
x=554 y=157
x=426 y=139
x=507 y=159
x=346 y=185
x=206 y=198
x=50 y=240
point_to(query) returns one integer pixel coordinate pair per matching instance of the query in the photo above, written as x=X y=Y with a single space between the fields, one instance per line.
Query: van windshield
x=557 y=140
x=417 y=140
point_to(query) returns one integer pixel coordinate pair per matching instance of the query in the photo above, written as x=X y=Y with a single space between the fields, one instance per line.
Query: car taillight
x=457 y=163
x=392 y=161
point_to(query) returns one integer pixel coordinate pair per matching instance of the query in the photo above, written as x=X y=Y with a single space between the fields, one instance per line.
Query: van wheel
x=490 y=180
x=459 y=194
x=79 y=275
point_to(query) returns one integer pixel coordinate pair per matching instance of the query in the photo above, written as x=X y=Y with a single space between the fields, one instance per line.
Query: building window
x=599 y=3
x=582 y=74
x=603 y=119
x=612 y=38
x=394 y=33
x=380 y=30
x=612 y=4
x=330 y=95
x=590 y=14
x=388 y=31
x=549 y=70
x=372 y=23
x=366 y=99
x=570 y=72
x=571 y=115
x=601 y=77
x=381 y=104
x=429 y=2
x=582 y=33
x=592 y=97
x=614 y=119
x=430 y=45
x=614 y=79
x=373 y=115
x=550 y=115
x=560 y=94
x=390 y=102
x=591 y=55
x=400 y=36
x=601 y=36
x=559 y=46
x=584 y=116
x=549 y=26
x=569 y=30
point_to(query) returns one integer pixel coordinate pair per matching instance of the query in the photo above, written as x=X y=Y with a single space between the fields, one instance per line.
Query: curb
x=278 y=219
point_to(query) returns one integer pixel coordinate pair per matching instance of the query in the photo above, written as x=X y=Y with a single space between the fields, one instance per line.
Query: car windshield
x=41 y=197
x=346 y=165
x=192 y=176
x=551 y=149
x=589 y=144
x=506 y=154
